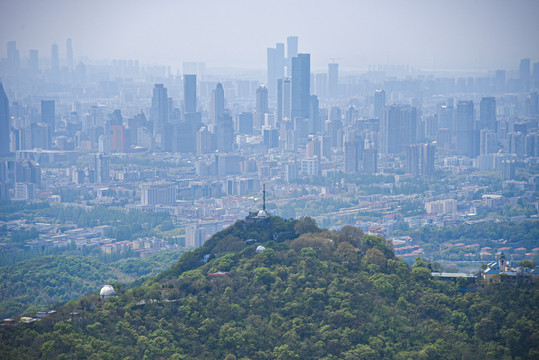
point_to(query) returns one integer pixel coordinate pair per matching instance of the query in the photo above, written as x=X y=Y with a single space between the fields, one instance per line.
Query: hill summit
x=269 y=288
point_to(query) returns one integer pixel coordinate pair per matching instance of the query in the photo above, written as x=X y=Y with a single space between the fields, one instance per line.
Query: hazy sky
x=452 y=34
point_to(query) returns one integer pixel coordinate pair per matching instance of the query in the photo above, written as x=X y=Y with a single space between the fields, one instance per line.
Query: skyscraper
x=427 y=152
x=159 y=112
x=379 y=103
x=301 y=81
x=55 y=61
x=487 y=113
x=33 y=62
x=190 y=93
x=412 y=160
x=13 y=58
x=464 y=128
x=333 y=80
x=291 y=52
x=217 y=104
x=351 y=157
x=284 y=99
x=261 y=105
x=48 y=116
x=524 y=72
x=275 y=58
x=4 y=122
x=397 y=129
x=69 y=53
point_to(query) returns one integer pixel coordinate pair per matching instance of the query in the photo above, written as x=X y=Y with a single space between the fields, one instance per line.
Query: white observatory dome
x=107 y=291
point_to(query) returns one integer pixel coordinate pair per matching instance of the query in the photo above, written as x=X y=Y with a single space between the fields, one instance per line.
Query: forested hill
x=311 y=294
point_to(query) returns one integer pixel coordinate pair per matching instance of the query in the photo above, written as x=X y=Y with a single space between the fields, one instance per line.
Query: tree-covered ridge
x=312 y=294
x=42 y=282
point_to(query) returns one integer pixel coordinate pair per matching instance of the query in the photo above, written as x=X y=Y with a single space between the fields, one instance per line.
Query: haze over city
x=445 y=34
x=269 y=180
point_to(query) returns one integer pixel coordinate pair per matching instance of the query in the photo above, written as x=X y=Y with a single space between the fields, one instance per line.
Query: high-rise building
x=351 y=157
x=48 y=116
x=370 y=161
x=397 y=129
x=55 y=59
x=13 y=58
x=217 y=104
x=379 y=103
x=427 y=154
x=4 y=122
x=487 y=113
x=291 y=52
x=524 y=72
x=412 y=160
x=535 y=83
x=301 y=85
x=69 y=53
x=163 y=193
x=159 y=111
x=275 y=58
x=261 y=106
x=464 y=123
x=100 y=164
x=245 y=123
x=333 y=80
x=284 y=99
x=189 y=94
x=321 y=85
x=33 y=63
x=315 y=124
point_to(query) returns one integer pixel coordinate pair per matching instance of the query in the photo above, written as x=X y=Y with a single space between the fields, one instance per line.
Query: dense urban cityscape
x=269 y=180
x=389 y=150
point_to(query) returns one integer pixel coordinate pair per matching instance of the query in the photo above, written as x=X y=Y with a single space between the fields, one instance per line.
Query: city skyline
x=489 y=34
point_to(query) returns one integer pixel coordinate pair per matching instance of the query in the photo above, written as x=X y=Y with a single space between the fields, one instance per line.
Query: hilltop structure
x=502 y=270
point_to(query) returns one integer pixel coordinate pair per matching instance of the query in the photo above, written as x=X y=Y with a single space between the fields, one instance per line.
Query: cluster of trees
x=45 y=281
x=312 y=294
x=522 y=234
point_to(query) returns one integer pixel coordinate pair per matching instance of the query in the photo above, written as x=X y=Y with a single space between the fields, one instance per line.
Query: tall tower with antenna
x=264 y=197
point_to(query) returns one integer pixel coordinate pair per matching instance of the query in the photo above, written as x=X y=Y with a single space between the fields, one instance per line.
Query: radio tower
x=264 y=197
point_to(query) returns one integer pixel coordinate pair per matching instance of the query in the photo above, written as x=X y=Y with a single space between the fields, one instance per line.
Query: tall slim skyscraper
x=427 y=152
x=524 y=72
x=159 y=112
x=275 y=68
x=321 y=85
x=333 y=80
x=315 y=125
x=398 y=128
x=301 y=85
x=351 y=157
x=217 y=104
x=190 y=93
x=4 y=122
x=13 y=58
x=379 y=103
x=464 y=121
x=487 y=113
x=33 y=62
x=48 y=116
x=261 y=105
x=535 y=75
x=69 y=53
x=55 y=61
x=412 y=160
x=291 y=52
x=291 y=47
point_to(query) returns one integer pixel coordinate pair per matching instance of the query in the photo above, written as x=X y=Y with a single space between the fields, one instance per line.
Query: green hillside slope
x=310 y=294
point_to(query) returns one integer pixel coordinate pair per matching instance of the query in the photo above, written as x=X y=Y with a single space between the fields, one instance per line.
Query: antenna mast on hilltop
x=264 y=197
